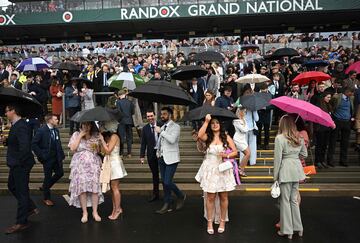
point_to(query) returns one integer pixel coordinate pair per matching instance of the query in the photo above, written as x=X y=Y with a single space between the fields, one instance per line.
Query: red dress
x=56 y=102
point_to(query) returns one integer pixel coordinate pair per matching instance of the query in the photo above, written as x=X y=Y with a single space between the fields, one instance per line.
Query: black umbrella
x=65 y=66
x=255 y=101
x=298 y=59
x=163 y=92
x=316 y=63
x=200 y=113
x=284 y=52
x=188 y=72
x=80 y=81
x=98 y=113
x=26 y=103
x=209 y=56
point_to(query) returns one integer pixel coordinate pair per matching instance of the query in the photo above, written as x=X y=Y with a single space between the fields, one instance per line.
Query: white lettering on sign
x=7 y=19
x=149 y=12
x=213 y=9
x=282 y=6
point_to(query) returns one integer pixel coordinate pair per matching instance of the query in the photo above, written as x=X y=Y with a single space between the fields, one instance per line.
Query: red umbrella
x=306 y=77
x=354 y=67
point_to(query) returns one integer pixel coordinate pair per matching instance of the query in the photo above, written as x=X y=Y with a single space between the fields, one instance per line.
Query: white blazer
x=169 y=143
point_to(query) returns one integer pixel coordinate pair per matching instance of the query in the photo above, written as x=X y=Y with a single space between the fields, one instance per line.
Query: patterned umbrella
x=125 y=80
x=33 y=64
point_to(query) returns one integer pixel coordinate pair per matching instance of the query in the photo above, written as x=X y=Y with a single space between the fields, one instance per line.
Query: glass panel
x=112 y=3
x=168 y=2
x=93 y=4
x=130 y=3
x=149 y=2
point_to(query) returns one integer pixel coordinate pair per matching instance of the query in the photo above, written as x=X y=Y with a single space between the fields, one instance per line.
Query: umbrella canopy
x=66 y=66
x=252 y=78
x=188 y=72
x=284 y=52
x=98 y=113
x=316 y=63
x=306 y=110
x=297 y=59
x=32 y=64
x=255 y=101
x=80 y=81
x=163 y=92
x=353 y=67
x=306 y=77
x=200 y=113
x=125 y=80
x=209 y=56
x=27 y=104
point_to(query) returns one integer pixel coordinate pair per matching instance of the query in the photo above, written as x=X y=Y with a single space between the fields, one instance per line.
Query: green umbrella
x=125 y=80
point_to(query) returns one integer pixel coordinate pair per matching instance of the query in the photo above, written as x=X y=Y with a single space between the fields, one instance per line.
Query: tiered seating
x=338 y=180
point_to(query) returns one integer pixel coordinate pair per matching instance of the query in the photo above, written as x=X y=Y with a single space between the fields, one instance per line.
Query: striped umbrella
x=125 y=80
x=33 y=64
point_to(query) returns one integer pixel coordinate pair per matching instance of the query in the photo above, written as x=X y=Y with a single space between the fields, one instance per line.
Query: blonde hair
x=287 y=127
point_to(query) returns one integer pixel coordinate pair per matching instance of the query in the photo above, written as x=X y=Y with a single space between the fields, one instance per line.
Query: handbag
x=275 y=190
x=227 y=165
x=310 y=170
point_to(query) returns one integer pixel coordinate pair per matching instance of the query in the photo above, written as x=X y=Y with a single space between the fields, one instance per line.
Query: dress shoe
x=153 y=198
x=33 y=212
x=180 y=202
x=129 y=156
x=343 y=164
x=48 y=202
x=16 y=228
x=166 y=208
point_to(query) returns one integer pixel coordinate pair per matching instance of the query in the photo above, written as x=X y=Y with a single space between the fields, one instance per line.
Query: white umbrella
x=252 y=78
x=125 y=79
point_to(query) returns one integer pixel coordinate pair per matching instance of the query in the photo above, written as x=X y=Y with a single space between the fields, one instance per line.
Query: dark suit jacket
x=147 y=140
x=41 y=145
x=4 y=75
x=99 y=81
x=128 y=109
x=198 y=96
x=19 y=145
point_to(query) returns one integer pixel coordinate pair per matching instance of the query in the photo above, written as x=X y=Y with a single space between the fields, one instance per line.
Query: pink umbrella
x=304 y=109
x=354 y=67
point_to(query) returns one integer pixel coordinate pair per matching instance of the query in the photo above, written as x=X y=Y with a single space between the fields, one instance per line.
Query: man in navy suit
x=149 y=139
x=197 y=92
x=46 y=145
x=20 y=160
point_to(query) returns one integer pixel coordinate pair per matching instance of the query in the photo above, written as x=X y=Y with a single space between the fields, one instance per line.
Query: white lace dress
x=117 y=166
x=210 y=178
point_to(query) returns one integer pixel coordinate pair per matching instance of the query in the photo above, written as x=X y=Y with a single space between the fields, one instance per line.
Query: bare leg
x=210 y=208
x=244 y=161
x=95 y=202
x=224 y=203
x=83 y=202
x=116 y=199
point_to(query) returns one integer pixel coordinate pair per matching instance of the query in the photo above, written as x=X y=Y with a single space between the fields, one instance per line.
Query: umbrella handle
x=297 y=118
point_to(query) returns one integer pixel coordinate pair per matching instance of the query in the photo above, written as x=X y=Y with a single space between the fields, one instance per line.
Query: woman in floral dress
x=85 y=189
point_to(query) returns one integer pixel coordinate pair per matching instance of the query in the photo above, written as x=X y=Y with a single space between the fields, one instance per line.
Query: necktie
x=52 y=132
x=154 y=135
x=105 y=80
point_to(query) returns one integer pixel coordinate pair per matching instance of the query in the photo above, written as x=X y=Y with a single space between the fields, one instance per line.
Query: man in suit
x=343 y=115
x=14 y=81
x=46 y=145
x=149 y=142
x=197 y=93
x=264 y=121
x=279 y=91
x=20 y=160
x=125 y=125
x=211 y=81
x=72 y=101
x=169 y=158
x=101 y=84
x=3 y=73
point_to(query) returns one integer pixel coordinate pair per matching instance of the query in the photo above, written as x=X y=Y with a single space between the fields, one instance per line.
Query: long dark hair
x=210 y=134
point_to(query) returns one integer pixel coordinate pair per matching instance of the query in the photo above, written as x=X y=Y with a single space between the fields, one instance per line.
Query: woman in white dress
x=211 y=180
x=110 y=142
x=240 y=138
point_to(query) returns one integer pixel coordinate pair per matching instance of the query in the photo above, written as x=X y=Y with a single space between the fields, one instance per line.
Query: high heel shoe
x=84 y=218
x=210 y=231
x=97 y=218
x=221 y=229
x=288 y=236
x=301 y=233
x=116 y=215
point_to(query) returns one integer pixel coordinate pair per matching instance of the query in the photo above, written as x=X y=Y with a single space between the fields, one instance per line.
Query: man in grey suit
x=169 y=158
x=211 y=81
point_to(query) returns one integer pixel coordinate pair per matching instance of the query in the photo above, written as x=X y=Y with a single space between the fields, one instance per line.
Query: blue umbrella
x=316 y=63
x=33 y=64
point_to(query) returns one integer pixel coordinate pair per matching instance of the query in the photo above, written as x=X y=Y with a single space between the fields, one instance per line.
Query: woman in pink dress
x=85 y=189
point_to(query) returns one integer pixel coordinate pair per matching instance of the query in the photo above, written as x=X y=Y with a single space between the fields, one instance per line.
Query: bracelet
x=227 y=156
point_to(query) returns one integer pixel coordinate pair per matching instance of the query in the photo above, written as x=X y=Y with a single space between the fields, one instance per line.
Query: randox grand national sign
x=242 y=7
